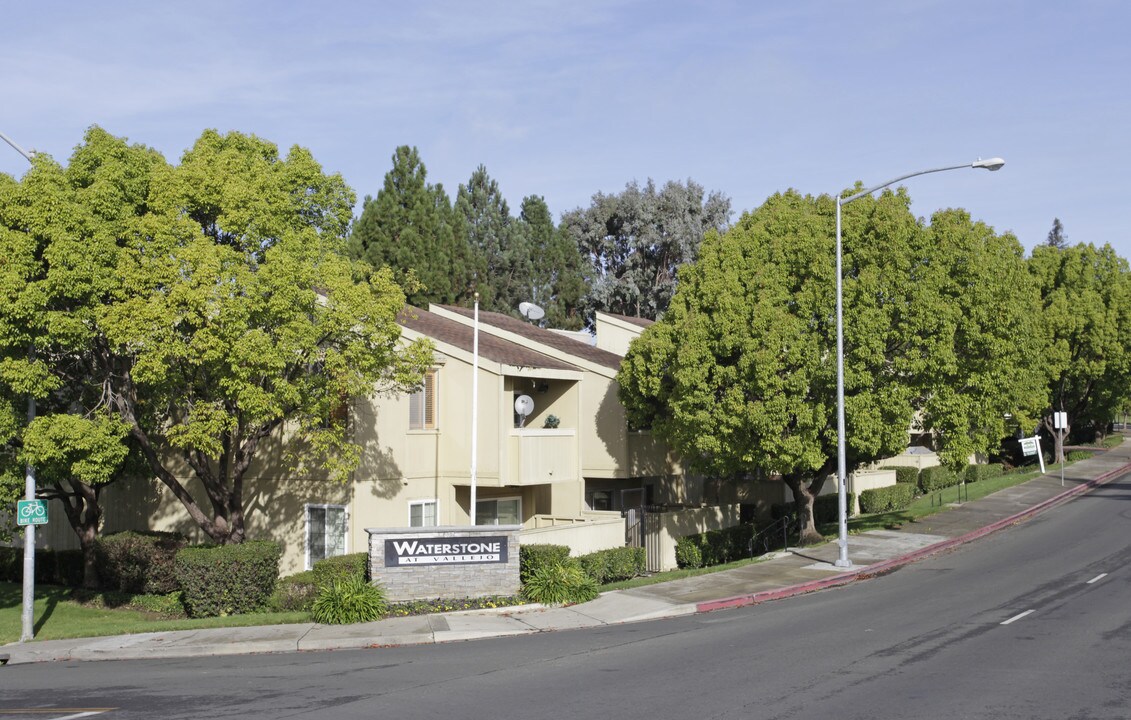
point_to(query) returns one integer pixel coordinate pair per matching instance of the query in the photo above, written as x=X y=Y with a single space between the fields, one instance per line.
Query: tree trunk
x=803 y=502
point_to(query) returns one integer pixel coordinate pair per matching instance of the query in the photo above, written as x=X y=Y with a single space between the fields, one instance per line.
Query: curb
x=886 y=566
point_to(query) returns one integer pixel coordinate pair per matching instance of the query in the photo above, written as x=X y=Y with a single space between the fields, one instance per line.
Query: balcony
x=538 y=457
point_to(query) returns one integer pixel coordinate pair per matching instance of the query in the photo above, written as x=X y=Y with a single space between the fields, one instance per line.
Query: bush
x=1074 y=455
x=974 y=473
x=341 y=567
x=139 y=562
x=825 y=508
x=614 y=564
x=687 y=553
x=348 y=600
x=563 y=583
x=937 y=478
x=295 y=592
x=715 y=547
x=532 y=557
x=903 y=474
x=887 y=499
x=1111 y=441
x=52 y=567
x=228 y=579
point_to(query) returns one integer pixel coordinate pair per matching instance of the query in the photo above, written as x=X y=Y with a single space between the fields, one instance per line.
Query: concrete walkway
x=787 y=573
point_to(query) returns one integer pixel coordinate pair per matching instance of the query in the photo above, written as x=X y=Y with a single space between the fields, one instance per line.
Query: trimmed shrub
x=614 y=564
x=348 y=600
x=825 y=509
x=532 y=557
x=977 y=472
x=887 y=499
x=295 y=592
x=340 y=567
x=937 y=478
x=52 y=567
x=562 y=583
x=687 y=553
x=903 y=474
x=715 y=547
x=139 y=562
x=228 y=579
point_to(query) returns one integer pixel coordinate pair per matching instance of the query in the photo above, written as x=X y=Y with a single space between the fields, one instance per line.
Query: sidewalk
x=788 y=573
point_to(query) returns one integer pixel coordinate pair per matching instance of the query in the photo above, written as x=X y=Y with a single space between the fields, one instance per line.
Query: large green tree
x=975 y=324
x=412 y=228
x=211 y=305
x=1086 y=294
x=634 y=243
x=739 y=376
x=557 y=278
x=498 y=243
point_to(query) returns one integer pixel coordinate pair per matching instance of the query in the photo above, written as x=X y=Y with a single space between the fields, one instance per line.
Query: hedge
x=228 y=579
x=714 y=547
x=825 y=508
x=937 y=478
x=903 y=474
x=974 y=473
x=532 y=557
x=298 y=591
x=887 y=499
x=52 y=567
x=614 y=564
x=139 y=562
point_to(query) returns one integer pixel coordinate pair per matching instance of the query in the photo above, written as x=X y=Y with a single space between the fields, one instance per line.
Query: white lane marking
x=1017 y=617
x=1101 y=576
x=80 y=715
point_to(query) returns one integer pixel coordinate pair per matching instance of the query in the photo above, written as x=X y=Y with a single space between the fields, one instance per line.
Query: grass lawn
x=58 y=616
x=933 y=503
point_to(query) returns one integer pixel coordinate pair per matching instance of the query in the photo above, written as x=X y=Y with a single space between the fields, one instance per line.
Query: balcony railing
x=538 y=457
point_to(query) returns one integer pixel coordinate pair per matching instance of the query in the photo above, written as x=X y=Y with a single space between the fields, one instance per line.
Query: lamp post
x=842 y=560
x=27 y=632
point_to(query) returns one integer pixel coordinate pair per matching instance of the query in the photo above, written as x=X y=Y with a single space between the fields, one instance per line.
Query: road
x=1031 y=622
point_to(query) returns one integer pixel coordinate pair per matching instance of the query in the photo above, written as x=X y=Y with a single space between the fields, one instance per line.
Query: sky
x=567 y=99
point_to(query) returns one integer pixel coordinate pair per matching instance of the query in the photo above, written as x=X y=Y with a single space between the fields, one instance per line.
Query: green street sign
x=31 y=512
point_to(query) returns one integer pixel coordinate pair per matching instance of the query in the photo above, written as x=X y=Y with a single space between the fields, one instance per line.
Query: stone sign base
x=445 y=562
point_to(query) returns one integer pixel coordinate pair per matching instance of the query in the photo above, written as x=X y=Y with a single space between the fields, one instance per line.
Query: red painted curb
x=889 y=565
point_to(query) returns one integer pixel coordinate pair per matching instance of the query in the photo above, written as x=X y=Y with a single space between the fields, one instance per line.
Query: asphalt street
x=1031 y=622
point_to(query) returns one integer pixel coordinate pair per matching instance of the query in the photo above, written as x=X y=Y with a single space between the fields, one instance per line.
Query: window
x=423 y=513
x=499 y=511
x=325 y=532
x=422 y=405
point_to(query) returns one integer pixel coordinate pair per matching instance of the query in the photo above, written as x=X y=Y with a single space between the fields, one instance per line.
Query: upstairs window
x=422 y=405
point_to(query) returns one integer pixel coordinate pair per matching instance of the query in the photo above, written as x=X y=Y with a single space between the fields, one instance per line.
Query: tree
x=410 y=227
x=739 y=376
x=493 y=237
x=1057 y=238
x=556 y=279
x=218 y=310
x=976 y=327
x=634 y=243
x=1086 y=296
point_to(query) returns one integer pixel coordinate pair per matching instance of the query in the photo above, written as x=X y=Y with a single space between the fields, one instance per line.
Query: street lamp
x=842 y=560
x=27 y=631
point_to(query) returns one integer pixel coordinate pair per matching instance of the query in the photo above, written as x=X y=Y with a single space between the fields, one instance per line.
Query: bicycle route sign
x=31 y=512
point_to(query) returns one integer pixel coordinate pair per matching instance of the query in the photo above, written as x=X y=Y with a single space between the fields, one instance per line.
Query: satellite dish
x=523 y=405
x=530 y=311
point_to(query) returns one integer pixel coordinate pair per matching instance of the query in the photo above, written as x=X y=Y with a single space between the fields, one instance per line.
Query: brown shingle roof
x=462 y=336
x=542 y=336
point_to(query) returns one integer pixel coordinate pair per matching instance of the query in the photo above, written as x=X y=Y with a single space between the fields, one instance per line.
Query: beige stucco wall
x=681 y=523
x=582 y=537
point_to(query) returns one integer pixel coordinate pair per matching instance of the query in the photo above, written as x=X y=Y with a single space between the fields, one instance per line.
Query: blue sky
x=565 y=99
